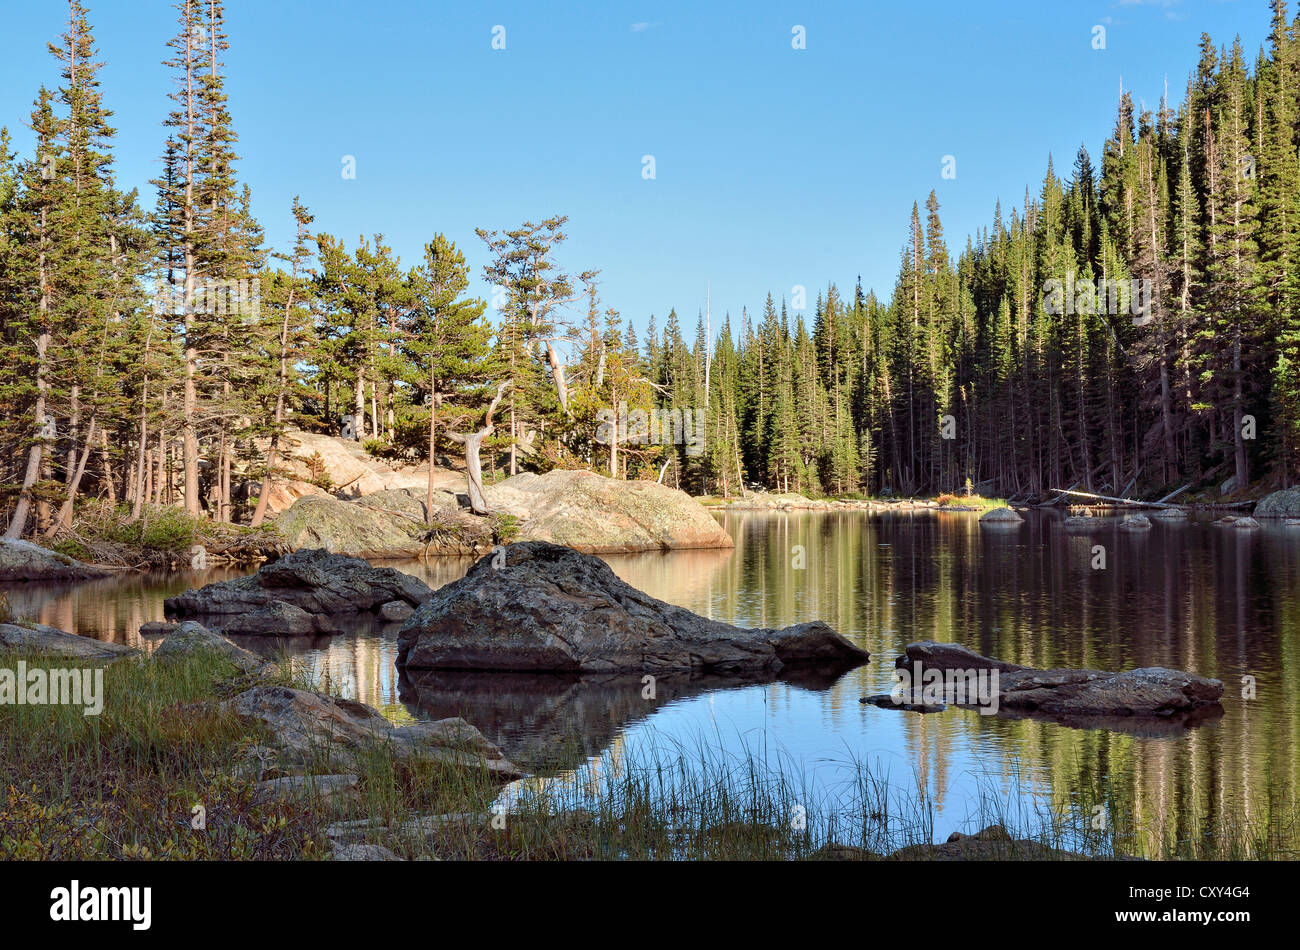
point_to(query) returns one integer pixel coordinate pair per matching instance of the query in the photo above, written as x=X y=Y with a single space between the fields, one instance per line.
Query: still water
x=1194 y=596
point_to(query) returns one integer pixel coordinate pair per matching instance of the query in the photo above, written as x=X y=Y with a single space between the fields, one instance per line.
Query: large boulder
x=387 y=524
x=1077 y=696
x=25 y=561
x=1279 y=504
x=541 y=607
x=311 y=729
x=315 y=582
x=48 y=641
x=599 y=515
x=583 y=510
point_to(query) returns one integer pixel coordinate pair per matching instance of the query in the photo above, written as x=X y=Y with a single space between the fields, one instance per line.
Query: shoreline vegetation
x=131 y=784
x=167 y=538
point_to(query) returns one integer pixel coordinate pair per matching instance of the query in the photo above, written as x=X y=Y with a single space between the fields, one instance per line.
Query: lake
x=1192 y=596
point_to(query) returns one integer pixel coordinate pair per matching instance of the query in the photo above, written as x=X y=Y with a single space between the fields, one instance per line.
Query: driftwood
x=1126 y=502
x=473 y=442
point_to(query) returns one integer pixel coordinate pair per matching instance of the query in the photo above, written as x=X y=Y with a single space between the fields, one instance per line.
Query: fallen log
x=1126 y=502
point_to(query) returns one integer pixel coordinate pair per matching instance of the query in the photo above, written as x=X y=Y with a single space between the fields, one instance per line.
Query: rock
x=583 y=510
x=328 y=788
x=279 y=619
x=189 y=638
x=364 y=852
x=1229 y=486
x=1246 y=522
x=1135 y=523
x=349 y=467
x=1000 y=516
x=886 y=701
x=552 y=609
x=949 y=656
x=1082 y=521
x=396 y=610
x=387 y=524
x=311 y=729
x=992 y=843
x=25 y=561
x=157 y=628
x=1170 y=514
x=784 y=501
x=317 y=582
x=1292 y=522
x=599 y=515
x=1279 y=504
x=1075 y=696
x=36 y=638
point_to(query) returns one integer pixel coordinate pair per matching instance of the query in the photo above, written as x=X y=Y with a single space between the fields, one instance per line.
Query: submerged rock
x=538 y=607
x=1000 y=516
x=1079 y=697
x=313 y=584
x=25 y=561
x=37 y=638
x=1135 y=523
x=313 y=729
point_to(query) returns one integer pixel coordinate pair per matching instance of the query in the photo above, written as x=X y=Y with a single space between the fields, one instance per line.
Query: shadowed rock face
x=551 y=609
x=298 y=595
x=556 y=721
x=1083 y=698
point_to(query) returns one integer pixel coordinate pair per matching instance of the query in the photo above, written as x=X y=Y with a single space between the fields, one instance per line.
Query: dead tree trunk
x=473 y=443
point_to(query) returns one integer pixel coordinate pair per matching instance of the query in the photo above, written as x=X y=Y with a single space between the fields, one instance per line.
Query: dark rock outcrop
x=538 y=607
x=298 y=595
x=1079 y=697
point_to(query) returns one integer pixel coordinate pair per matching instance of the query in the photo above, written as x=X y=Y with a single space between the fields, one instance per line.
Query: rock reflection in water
x=555 y=722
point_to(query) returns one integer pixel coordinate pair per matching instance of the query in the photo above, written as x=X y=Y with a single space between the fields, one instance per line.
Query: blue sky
x=774 y=167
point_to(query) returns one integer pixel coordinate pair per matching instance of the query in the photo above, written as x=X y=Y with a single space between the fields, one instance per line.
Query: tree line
x=1136 y=323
